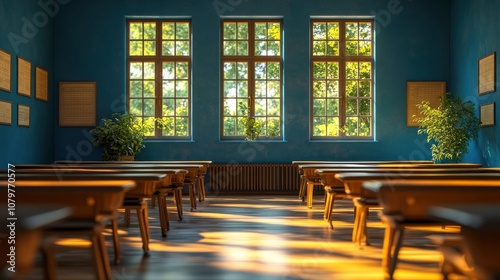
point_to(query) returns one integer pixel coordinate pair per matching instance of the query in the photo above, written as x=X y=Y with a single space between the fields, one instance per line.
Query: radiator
x=255 y=178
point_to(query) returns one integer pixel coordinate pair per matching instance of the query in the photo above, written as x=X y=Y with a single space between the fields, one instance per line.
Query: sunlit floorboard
x=255 y=237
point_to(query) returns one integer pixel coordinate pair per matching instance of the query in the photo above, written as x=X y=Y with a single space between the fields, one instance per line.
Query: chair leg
x=362 y=238
x=163 y=224
x=101 y=245
x=49 y=259
x=326 y=214
x=127 y=217
x=142 y=218
x=395 y=253
x=192 y=195
x=116 y=240
x=303 y=188
x=356 y=226
x=178 y=202
x=330 y=219
x=98 y=257
x=387 y=248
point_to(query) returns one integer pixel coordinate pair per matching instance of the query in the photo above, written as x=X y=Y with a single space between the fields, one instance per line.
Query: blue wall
x=26 y=31
x=474 y=34
x=412 y=43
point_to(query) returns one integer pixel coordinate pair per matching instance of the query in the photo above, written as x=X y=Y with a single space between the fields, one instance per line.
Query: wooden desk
x=191 y=179
x=480 y=230
x=201 y=172
x=29 y=224
x=311 y=178
x=406 y=203
x=91 y=202
x=146 y=185
x=365 y=200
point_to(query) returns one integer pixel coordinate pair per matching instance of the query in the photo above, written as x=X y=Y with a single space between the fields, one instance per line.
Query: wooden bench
x=91 y=203
x=406 y=203
x=477 y=252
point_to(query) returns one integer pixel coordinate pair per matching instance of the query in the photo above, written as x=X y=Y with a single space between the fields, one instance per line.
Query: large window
x=342 y=79
x=159 y=75
x=251 y=77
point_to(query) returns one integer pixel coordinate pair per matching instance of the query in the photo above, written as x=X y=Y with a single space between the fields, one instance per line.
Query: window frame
x=251 y=59
x=159 y=59
x=342 y=59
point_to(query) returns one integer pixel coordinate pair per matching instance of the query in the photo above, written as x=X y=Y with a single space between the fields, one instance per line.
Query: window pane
x=319 y=107
x=351 y=31
x=168 y=31
x=230 y=30
x=149 y=31
x=168 y=89
x=149 y=107
x=135 y=32
x=364 y=107
x=150 y=48
x=182 y=31
x=149 y=70
x=135 y=48
x=351 y=107
x=333 y=107
x=136 y=106
x=149 y=89
x=135 y=89
x=136 y=70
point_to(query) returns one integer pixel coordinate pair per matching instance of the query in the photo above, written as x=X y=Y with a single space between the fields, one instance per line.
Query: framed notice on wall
x=5 y=112
x=5 y=70
x=77 y=104
x=41 y=84
x=23 y=115
x=23 y=77
x=486 y=74
x=487 y=114
x=416 y=92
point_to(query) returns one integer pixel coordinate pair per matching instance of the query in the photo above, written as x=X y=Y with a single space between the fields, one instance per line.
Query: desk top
x=77 y=185
x=392 y=185
x=391 y=165
x=408 y=170
x=89 y=176
x=417 y=176
x=477 y=216
x=35 y=216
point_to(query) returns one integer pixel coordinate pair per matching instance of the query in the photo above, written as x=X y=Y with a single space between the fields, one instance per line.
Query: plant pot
x=125 y=158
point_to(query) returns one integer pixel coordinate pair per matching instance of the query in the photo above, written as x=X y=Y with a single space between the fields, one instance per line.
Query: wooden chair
x=476 y=251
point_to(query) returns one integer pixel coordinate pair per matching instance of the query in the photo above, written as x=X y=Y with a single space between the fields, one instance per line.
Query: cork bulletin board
x=23 y=77
x=487 y=114
x=5 y=70
x=486 y=74
x=23 y=115
x=418 y=91
x=41 y=84
x=5 y=112
x=77 y=103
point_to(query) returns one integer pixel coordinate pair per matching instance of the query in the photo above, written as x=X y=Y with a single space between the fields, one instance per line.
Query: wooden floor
x=254 y=237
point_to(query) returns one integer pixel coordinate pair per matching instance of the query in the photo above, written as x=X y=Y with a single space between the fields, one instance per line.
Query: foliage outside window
x=342 y=79
x=251 y=79
x=159 y=76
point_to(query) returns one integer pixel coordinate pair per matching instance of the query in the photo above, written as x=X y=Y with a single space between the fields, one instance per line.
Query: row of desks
x=94 y=192
x=406 y=193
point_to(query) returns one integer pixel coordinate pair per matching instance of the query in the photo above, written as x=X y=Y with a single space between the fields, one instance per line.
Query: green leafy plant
x=253 y=127
x=449 y=127
x=121 y=135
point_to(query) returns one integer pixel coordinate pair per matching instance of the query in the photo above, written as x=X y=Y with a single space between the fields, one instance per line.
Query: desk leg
x=310 y=189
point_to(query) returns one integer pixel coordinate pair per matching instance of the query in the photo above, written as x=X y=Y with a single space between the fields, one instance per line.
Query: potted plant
x=121 y=137
x=253 y=128
x=449 y=127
